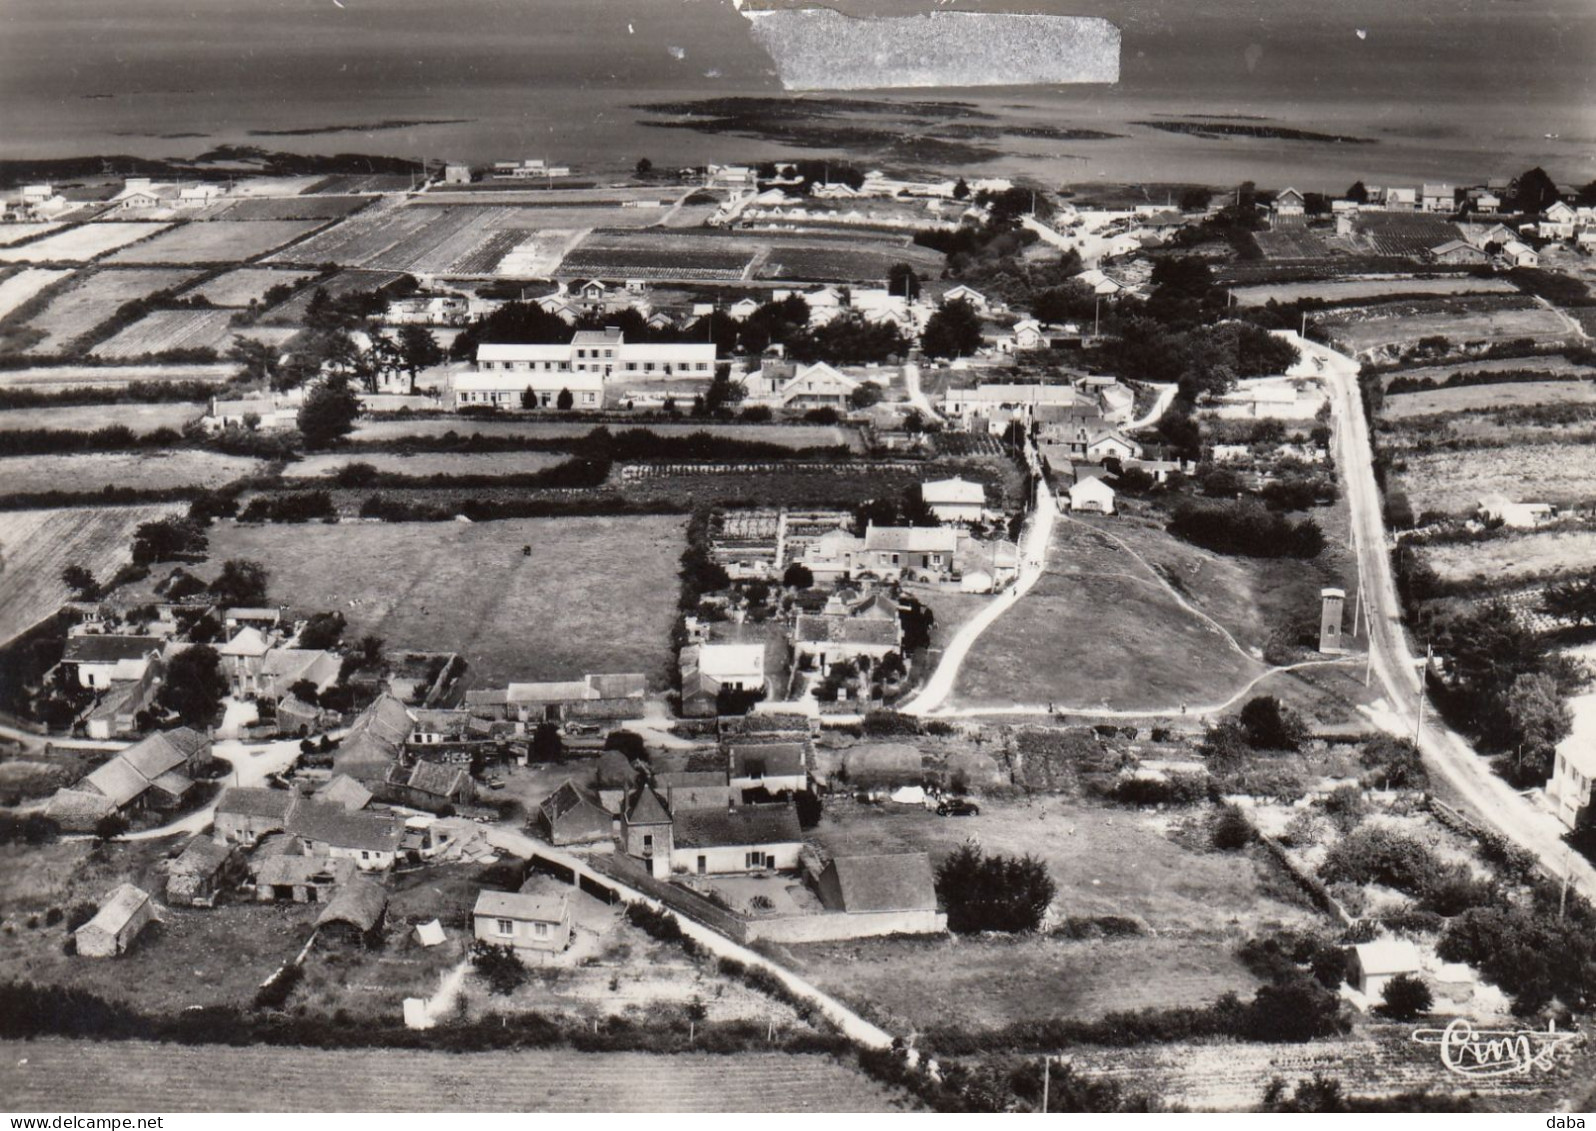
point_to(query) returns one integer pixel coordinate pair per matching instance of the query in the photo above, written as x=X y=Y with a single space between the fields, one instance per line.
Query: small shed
x=883 y=765
x=197 y=875
x=121 y=917
x=355 y=913
x=1373 y=964
x=1092 y=496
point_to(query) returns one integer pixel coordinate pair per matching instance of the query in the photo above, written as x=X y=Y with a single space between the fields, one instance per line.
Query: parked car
x=586 y=730
x=958 y=807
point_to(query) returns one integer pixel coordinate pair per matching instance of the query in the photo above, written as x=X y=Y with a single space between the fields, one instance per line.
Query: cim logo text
x=1473 y=1052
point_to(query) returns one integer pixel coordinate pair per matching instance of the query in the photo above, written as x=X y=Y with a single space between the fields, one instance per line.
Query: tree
x=1573 y=600
x=418 y=350
x=257 y=361
x=564 y=401
x=329 y=412
x=954 y=330
x=917 y=620
x=322 y=631
x=547 y=745
x=1271 y=725
x=902 y=280
x=1232 y=830
x=866 y=394
x=1406 y=997
x=1541 y=719
x=645 y=167
x=993 y=893
x=798 y=576
x=1358 y=194
x=370 y=649
x=194 y=685
x=807 y=803
x=241 y=583
x=168 y=539
x=961 y=190
x=1196 y=198
x=81 y=582
x=498 y=967
x=1225 y=748
x=110 y=826
x=305 y=691
x=628 y=743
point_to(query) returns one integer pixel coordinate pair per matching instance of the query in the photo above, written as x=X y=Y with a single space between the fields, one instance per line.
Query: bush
x=1381 y=856
x=1271 y=725
x=275 y=991
x=996 y=893
x=628 y=743
x=1176 y=789
x=1232 y=830
x=1245 y=526
x=498 y=966
x=1405 y=998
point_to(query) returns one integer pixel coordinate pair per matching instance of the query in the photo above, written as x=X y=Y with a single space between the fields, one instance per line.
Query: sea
x=1458 y=90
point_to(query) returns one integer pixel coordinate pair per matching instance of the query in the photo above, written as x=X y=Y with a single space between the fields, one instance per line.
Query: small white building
x=1092 y=496
x=1519 y=516
x=1574 y=768
x=121 y=917
x=523 y=921
x=739 y=667
x=1520 y=254
x=1372 y=965
x=954 y=500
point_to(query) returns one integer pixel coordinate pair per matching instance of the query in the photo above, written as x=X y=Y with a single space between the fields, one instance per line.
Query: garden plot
x=1461 y=321
x=1402 y=234
x=293 y=309
x=1291 y=245
x=1454 y=482
x=295 y=208
x=164 y=330
x=1548 y=363
x=1350 y=290
x=1521 y=555
x=95 y=471
x=789 y=435
x=362 y=239
x=15 y=233
x=247 y=284
x=21 y=287
x=94 y=297
x=82 y=243
x=36 y=545
x=661 y=254
x=52 y=378
x=539 y=253
x=1507 y=394
x=835 y=263
x=216 y=241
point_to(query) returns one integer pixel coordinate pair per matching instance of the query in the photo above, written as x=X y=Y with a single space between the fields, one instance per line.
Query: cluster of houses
x=156 y=774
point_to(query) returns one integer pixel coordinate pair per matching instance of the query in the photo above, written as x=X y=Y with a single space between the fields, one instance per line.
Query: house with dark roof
x=645 y=831
x=78 y=810
x=751 y=838
x=694 y=789
x=433 y=786
x=371 y=840
x=98 y=661
x=374 y=740
x=573 y=815
x=194 y=878
x=827 y=638
x=355 y=913
x=153 y=773
x=289 y=876
x=889 y=894
x=244 y=814
x=775 y=766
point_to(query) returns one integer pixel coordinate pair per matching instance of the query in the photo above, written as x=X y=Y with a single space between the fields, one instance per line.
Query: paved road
x=917 y=397
x=1447 y=754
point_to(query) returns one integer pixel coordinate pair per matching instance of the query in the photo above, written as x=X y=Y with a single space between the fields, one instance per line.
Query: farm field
x=294 y=208
x=82 y=243
x=293 y=309
x=573 y=605
x=1484 y=398
x=661 y=254
x=830 y=264
x=15 y=233
x=427 y=463
x=48 y=378
x=1298 y=244
x=163 y=330
x=216 y=241
x=346 y=183
x=135 y=1075
x=790 y=435
x=539 y=253
x=93 y=471
x=140 y=418
x=1100 y=631
x=94 y=296
x=1522 y=555
x=1409 y=234
x=1549 y=363
x=36 y=545
x=21 y=287
x=1454 y=482
x=1347 y=290
x=238 y=288
x=1403 y=324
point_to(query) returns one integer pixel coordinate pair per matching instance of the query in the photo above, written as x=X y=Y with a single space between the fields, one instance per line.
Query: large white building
x=583 y=366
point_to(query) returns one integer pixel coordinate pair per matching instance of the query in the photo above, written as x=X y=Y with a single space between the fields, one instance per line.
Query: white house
x=1091 y=495
x=101 y=660
x=1520 y=516
x=1437 y=198
x=1520 y=254
x=1028 y=335
x=1373 y=964
x=605 y=354
x=507 y=388
x=1289 y=203
x=1574 y=767
x=954 y=500
x=962 y=293
x=740 y=667
x=524 y=921
x=818 y=386
x=750 y=838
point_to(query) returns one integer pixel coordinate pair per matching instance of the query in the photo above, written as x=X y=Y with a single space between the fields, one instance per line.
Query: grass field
x=293 y=310
x=1403 y=324
x=15 y=233
x=1487 y=397
x=93 y=471
x=790 y=435
x=35 y=546
x=19 y=288
x=594 y=595
x=216 y=241
x=1347 y=290
x=163 y=330
x=428 y=463
x=54 y=377
x=1564 y=474
x=136 y=1076
x=1549 y=363
x=237 y=288
x=140 y=418
x=1519 y=556
x=1100 y=631
x=80 y=244
x=95 y=296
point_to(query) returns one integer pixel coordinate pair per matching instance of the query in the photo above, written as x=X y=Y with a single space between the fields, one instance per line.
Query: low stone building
x=127 y=910
x=526 y=921
x=198 y=874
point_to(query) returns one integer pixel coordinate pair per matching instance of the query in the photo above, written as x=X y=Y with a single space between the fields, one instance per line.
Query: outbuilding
x=125 y=913
x=1373 y=964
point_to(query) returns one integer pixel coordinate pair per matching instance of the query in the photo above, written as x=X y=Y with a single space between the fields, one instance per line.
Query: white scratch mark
x=1363 y=33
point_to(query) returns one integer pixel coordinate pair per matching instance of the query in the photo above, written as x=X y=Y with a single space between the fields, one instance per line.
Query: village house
x=282 y=668
x=895 y=891
x=645 y=830
x=369 y=839
x=1372 y=965
x=242 y=659
x=1437 y=198
x=1458 y=252
x=966 y=294
x=505 y=369
x=274 y=413
x=194 y=878
x=527 y=922
x=100 y=660
x=127 y=910
x=694 y=789
x=817 y=386
x=991 y=408
x=1288 y=204
x=244 y=814
x=1557 y=222
x=707 y=669
x=118 y=707
x=1568 y=790
x=573 y=815
x=778 y=767
x=750 y=838
x=1092 y=496
x=155 y=773
x=955 y=500
x=296 y=878
x=374 y=740
x=433 y=786
x=892 y=552
x=1520 y=516
x=825 y=638
x=1520 y=254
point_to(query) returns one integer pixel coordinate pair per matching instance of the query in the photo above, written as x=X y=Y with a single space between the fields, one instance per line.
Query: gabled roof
x=750 y=825
x=436 y=778
x=912 y=539
x=108 y=649
x=767 y=759
x=831 y=629
x=73 y=808
x=202 y=857
x=248 y=642
x=289 y=665
x=120 y=905
x=956 y=490
x=360 y=903
x=118 y=781
x=294 y=870
x=524 y=908
x=333 y=825
x=731 y=659
x=897 y=882
x=255 y=801
x=646 y=807
x=567 y=799
x=345 y=791
x=564 y=691
x=821 y=374
x=1387 y=956
x=165 y=751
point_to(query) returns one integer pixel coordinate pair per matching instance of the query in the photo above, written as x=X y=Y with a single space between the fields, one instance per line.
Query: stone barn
x=125 y=912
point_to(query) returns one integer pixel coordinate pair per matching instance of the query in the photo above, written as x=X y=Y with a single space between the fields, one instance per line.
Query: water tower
x=1331 y=604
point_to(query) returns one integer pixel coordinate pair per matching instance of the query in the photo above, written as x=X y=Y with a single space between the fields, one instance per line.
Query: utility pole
x=1047 y=1080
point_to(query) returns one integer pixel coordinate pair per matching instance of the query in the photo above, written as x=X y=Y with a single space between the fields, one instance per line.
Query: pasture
x=1461 y=321
x=293 y=309
x=596 y=594
x=1513 y=557
x=82 y=243
x=94 y=297
x=788 y=435
x=1549 y=363
x=141 y=418
x=95 y=471
x=1350 y=290
x=246 y=285
x=16 y=233
x=215 y=241
x=36 y=545
x=832 y=263
x=50 y=378
x=25 y=284
x=1463 y=398
x=1101 y=631
x=164 y=330
x=661 y=254
x=426 y=463
x=138 y=1076
x=1454 y=482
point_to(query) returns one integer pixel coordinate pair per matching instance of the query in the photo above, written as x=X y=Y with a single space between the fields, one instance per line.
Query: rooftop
x=108 y=649
x=526 y=908
x=750 y=824
x=896 y=882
